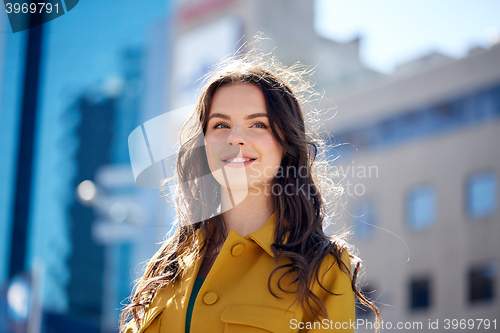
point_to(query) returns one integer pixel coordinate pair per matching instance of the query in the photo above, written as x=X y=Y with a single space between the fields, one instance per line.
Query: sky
x=394 y=32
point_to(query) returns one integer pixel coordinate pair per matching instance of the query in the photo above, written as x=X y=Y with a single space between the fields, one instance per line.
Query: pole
x=23 y=181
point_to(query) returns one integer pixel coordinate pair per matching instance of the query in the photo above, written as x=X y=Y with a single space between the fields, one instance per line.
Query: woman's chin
x=235 y=185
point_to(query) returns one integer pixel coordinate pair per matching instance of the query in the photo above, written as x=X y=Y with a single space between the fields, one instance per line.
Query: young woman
x=250 y=253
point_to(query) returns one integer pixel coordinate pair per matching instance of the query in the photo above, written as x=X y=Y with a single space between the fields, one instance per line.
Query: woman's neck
x=248 y=215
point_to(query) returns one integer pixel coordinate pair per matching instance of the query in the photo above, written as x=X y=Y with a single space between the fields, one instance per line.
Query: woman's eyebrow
x=223 y=116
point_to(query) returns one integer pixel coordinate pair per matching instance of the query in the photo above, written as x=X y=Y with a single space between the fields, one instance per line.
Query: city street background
x=412 y=91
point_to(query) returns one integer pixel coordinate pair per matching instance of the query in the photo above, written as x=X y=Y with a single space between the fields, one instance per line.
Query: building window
x=481 y=283
x=363 y=219
x=482 y=195
x=420 y=293
x=421 y=208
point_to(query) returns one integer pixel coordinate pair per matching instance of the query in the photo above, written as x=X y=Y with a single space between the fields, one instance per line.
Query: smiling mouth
x=238 y=160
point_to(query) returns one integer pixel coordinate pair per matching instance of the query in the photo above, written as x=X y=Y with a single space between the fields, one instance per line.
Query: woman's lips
x=237 y=164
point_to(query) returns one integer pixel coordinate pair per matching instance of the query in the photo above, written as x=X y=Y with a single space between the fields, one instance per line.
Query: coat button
x=237 y=250
x=210 y=298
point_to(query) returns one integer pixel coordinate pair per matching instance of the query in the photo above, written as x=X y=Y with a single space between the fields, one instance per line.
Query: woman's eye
x=261 y=124
x=258 y=124
x=219 y=124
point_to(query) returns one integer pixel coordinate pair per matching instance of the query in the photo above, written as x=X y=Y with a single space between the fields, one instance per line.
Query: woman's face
x=238 y=127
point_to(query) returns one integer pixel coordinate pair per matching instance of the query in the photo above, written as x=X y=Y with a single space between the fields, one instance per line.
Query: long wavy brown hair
x=301 y=218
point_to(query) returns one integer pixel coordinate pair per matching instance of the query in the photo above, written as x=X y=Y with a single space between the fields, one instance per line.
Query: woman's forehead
x=238 y=99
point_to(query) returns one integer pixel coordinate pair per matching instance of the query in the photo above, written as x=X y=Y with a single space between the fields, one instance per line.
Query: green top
x=196 y=288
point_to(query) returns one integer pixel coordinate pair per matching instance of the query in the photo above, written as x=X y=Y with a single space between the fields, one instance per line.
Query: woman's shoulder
x=335 y=271
x=332 y=284
x=149 y=320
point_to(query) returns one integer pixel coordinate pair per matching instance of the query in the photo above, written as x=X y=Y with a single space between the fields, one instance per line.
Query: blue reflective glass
x=421 y=208
x=482 y=195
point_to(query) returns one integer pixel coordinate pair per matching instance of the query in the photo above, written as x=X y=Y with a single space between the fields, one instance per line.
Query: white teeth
x=237 y=159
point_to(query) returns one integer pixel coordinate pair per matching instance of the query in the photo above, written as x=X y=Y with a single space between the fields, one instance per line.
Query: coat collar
x=264 y=236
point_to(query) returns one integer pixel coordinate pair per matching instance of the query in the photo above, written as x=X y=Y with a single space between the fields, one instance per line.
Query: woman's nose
x=236 y=137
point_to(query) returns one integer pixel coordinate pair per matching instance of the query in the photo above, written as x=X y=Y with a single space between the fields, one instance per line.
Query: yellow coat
x=235 y=295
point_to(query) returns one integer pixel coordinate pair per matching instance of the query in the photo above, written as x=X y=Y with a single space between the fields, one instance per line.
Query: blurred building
x=124 y=222
x=91 y=95
x=208 y=30
x=422 y=165
x=95 y=136
x=108 y=218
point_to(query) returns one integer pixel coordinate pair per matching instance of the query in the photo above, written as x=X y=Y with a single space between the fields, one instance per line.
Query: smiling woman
x=238 y=117
x=262 y=261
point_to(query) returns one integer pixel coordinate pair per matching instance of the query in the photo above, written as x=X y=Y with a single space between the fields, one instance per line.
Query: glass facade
x=84 y=54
